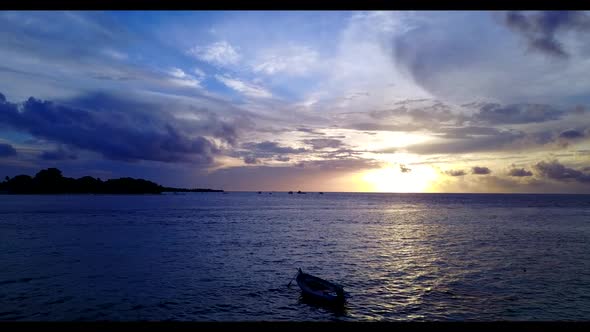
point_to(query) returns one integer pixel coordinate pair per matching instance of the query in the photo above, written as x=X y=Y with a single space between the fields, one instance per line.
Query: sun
x=418 y=178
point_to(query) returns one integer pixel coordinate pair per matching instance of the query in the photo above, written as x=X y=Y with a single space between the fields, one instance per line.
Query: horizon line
x=386 y=192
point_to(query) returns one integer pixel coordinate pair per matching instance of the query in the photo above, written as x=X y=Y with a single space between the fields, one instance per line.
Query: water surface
x=229 y=257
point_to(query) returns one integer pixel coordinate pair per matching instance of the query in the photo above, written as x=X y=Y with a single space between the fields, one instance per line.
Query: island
x=51 y=181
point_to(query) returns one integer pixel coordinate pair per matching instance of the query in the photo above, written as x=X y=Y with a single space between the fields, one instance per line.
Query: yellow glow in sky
x=392 y=179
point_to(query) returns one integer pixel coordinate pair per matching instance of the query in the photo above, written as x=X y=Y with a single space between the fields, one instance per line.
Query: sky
x=352 y=101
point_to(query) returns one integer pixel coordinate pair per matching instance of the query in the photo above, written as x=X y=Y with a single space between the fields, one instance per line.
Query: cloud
x=568 y=136
x=111 y=127
x=247 y=89
x=571 y=134
x=426 y=112
x=117 y=55
x=7 y=150
x=467 y=132
x=323 y=143
x=480 y=170
x=451 y=122
x=198 y=115
x=184 y=79
x=455 y=172
x=494 y=114
x=520 y=172
x=362 y=126
x=58 y=154
x=199 y=74
x=272 y=148
x=291 y=60
x=506 y=140
x=503 y=140
x=310 y=131
x=540 y=29
x=440 y=55
x=556 y=171
x=250 y=160
x=220 y=53
x=341 y=164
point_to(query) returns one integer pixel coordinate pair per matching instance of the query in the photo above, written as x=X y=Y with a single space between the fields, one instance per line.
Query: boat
x=319 y=289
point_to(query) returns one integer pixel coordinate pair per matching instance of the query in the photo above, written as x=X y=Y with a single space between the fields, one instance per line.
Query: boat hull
x=318 y=289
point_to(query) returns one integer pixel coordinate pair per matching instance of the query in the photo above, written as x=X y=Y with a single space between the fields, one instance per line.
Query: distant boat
x=290 y=193
x=260 y=192
x=300 y=192
x=319 y=289
x=321 y=193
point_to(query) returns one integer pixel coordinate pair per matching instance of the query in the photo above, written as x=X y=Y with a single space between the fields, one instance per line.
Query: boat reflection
x=338 y=309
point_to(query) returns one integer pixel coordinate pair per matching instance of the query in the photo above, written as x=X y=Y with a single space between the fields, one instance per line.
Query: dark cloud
x=340 y=153
x=556 y=171
x=404 y=169
x=565 y=138
x=474 y=144
x=323 y=143
x=540 y=30
x=384 y=127
x=250 y=160
x=455 y=172
x=571 y=134
x=114 y=131
x=495 y=114
x=484 y=126
x=135 y=110
x=272 y=148
x=467 y=132
x=309 y=131
x=58 y=154
x=506 y=140
x=7 y=150
x=480 y=170
x=427 y=115
x=351 y=164
x=520 y=172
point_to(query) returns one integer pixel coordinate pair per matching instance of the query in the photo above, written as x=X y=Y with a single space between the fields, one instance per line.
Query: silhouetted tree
x=88 y=184
x=20 y=184
x=51 y=181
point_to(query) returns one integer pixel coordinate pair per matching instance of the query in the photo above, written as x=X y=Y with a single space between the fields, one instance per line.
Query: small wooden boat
x=319 y=289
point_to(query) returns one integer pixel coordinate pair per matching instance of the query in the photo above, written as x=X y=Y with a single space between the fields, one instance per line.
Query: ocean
x=230 y=257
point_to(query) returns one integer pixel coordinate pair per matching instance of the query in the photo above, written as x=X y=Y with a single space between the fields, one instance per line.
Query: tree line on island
x=51 y=181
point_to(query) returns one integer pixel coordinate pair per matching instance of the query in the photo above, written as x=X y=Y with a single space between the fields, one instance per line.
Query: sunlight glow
x=392 y=179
